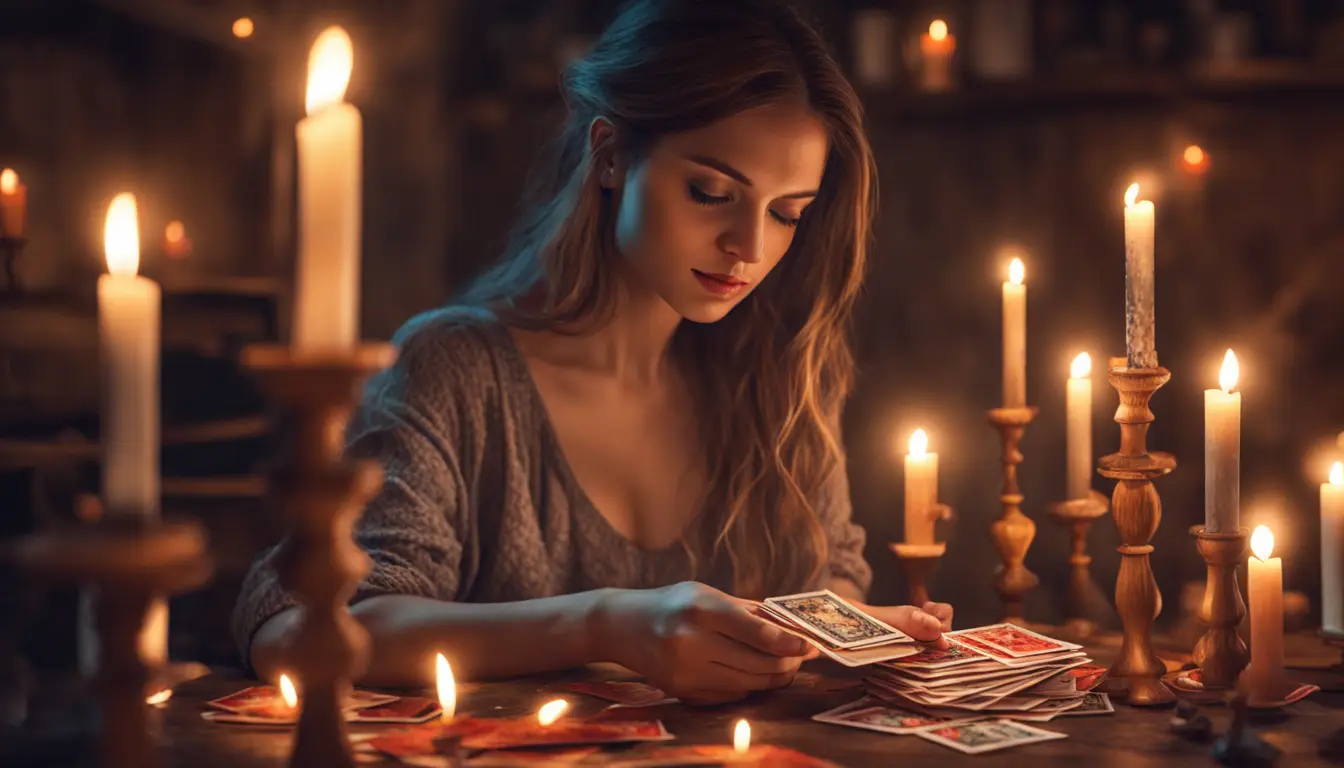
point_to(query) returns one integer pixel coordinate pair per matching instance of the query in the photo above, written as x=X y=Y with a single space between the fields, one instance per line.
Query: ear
x=603 y=147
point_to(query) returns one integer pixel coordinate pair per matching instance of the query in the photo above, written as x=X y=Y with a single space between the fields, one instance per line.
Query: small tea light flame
x=1230 y=372
x=443 y=676
x=9 y=181
x=1081 y=368
x=1262 y=542
x=288 y=693
x=551 y=711
x=1337 y=474
x=742 y=737
x=159 y=697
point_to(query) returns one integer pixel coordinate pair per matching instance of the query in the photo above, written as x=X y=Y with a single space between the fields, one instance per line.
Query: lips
x=727 y=280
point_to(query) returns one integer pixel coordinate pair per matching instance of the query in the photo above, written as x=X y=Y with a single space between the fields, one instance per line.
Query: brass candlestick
x=918 y=561
x=1014 y=531
x=1137 y=509
x=1221 y=653
x=130 y=562
x=1078 y=515
x=322 y=495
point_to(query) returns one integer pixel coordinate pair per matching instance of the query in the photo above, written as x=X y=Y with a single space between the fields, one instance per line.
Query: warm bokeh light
x=288 y=693
x=1262 y=542
x=919 y=443
x=1229 y=373
x=329 y=64
x=243 y=28
x=447 y=687
x=9 y=181
x=1194 y=157
x=1081 y=367
x=160 y=697
x=1337 y=474
x=1132 y=195
x=1017 y=271
x=742 y=737
x=121 y=236
x=938 y=30
x=551 y=711
x=174 y=232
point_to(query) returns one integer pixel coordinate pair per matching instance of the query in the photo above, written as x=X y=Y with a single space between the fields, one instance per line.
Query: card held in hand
x=827 y=615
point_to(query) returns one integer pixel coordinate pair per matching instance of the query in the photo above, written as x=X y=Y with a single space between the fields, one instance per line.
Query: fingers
x=918 y=624
x=942 y=612
x=730 y=653
x=725 y=677
x=739 y=623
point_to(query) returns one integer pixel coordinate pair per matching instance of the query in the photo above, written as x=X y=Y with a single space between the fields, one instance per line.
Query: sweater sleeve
x=844 y=537
x=413 y=528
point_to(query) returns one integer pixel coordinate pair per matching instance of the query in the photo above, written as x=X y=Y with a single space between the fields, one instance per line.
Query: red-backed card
x=419 y=742
x=267 y=698
x=408 y=709
x=935 y=658
x=527 y=732
x=1089 y=676
x=1016 y=641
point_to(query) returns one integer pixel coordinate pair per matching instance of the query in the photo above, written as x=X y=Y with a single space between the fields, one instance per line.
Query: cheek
x=653 y=226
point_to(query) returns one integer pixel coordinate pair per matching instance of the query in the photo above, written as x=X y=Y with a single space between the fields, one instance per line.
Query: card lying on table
x=988 y=736
x=838 y=629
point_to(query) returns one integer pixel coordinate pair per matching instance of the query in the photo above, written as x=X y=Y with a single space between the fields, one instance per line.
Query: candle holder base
x=1082 y=599
x=1221 y=653
x=918 y=561
x=322 y=495
x=1013 y=532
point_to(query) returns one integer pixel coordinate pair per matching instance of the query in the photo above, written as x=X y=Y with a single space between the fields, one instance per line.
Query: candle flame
x=288 y=693
x=1017 y=271
x=1230 y=372
x=742 y=737
x=1337 y=474
x=1132 y=195
x=159 y=697
x=121 y=236
x=919 y=443
x=1262 y=542
x=443 y=676
x=551 y=711
x=9 y=181
x=1081 y=368
x=329 y=64
x=243 y=27
x=938 y=30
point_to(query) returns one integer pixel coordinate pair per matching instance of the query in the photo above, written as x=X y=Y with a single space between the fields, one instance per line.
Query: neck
x=632 y=347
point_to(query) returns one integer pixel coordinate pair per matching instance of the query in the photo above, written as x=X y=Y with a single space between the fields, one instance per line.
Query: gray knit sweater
x=478 y=504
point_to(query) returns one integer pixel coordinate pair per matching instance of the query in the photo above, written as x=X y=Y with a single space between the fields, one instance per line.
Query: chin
x=702 y=310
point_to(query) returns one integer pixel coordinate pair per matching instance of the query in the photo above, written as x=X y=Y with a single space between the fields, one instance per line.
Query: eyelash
x=703 y=198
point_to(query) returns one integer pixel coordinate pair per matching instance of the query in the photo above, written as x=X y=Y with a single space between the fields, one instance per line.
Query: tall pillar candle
x=921 y=490
x=1140 y=335
x=1222 y=451
x=1015 y=337
x=1078 y=410
x=1265 y=594
x=1332 y=551
x=326 y=307
x=13 y=205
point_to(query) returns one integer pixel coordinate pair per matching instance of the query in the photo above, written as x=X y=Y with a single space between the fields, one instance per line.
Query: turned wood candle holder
x=10 y=250
x=1078 y=515
x=322 y=496
x=1221 y=653
x=129 y=562
x=918 y=561
x=1013 y=531
x=1137 y=673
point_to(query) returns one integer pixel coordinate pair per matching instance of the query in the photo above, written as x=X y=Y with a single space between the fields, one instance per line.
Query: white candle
x=1140 y=344
x=1078 y=409
x=921 y=490
x=326 y=311
x=1332 y=550
x=1015 y=337
x=128 y=331
x=13 y=205
x=936 y=48
x=1265 y=593
x=1222 y=450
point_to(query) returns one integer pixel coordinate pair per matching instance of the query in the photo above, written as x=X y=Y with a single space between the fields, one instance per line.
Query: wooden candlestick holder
x=10 y=249
x=1014 y=531
x=1221 y=653
x=1137 y=509
x=918 y=561
x=130 y=562
x=1078 y=515
x=322 y=496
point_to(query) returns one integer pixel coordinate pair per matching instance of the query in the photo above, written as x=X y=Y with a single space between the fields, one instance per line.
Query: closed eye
x=704 y=198
x=785 y=220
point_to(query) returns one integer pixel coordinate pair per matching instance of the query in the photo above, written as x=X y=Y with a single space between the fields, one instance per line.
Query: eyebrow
x=728 y=170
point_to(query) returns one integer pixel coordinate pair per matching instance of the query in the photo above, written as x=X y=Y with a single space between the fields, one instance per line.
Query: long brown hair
x=782 y=361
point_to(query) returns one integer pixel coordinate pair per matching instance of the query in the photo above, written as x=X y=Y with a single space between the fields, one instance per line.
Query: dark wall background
x=158 y=97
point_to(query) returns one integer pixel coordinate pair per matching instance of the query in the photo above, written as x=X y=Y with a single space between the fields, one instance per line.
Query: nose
x=744 y=239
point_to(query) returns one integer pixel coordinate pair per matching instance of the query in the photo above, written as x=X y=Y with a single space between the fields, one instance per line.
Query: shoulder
x=447 y=354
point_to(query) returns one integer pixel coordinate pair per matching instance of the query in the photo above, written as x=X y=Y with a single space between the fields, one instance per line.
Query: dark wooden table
x=1131 y=737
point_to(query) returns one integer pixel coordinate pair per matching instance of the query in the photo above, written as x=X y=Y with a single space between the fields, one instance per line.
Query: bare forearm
x=482 y=640
x=846 y=589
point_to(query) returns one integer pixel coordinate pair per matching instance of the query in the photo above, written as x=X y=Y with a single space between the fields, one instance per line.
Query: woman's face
x=706 y=214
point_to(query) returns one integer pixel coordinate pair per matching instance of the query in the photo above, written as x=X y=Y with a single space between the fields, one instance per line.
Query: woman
x=628 y=429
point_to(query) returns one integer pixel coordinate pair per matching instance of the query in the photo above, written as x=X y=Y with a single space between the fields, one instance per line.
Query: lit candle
x=1265 y=595
x=921 y=490
x=326 y=311
x=1078 y=410
x=551 y=711
x=447 y=688
x=288 y=694
x=1015 y=337
x=936 y=48
x=1140 y=344
x=13 y=204
x=742 y=738
x=1222 y=450
x=1332 y=550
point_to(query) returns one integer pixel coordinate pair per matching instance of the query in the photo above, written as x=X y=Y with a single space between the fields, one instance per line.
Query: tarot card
x=257 y=716
x=935 y=658
x=408 y=709
x=1008 y=660
x=826 y=615
x=529 y=733
x=1088 y=676
x=1016 y=641
x=1094 y=703
x=872 y=715
x=987 y=736
x=267 y=697
x=538 y=758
